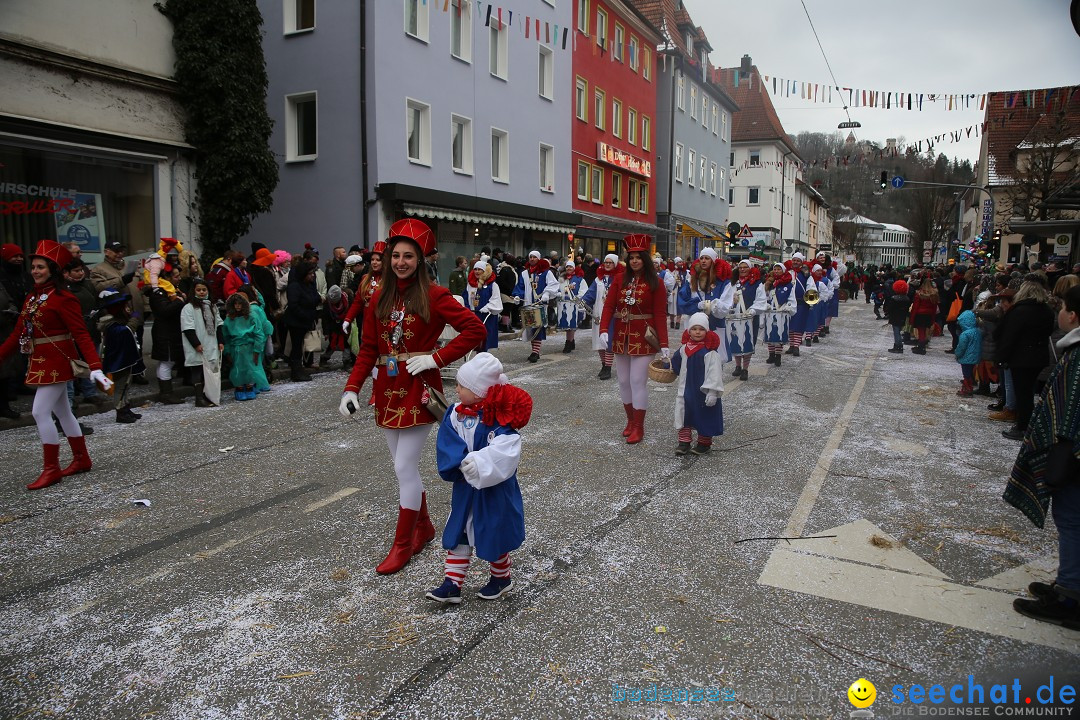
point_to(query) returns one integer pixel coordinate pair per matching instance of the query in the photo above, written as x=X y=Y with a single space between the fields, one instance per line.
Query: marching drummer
x=571 y=310
x=536 y=286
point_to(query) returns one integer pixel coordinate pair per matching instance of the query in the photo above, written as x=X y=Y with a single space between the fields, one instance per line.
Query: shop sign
x=624 y=160
x=81 y=223
x=40 y=199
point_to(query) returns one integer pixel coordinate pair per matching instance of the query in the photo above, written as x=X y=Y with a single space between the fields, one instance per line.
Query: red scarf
x=711 y=342
x=473 y=410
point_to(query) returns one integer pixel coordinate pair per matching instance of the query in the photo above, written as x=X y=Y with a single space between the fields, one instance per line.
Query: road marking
x=340 y=494
x=812 y=489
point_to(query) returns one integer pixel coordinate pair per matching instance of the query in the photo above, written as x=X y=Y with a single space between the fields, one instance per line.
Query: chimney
x=746 y=65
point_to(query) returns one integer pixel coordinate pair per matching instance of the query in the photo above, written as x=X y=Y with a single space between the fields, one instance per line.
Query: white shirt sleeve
x=498 y=461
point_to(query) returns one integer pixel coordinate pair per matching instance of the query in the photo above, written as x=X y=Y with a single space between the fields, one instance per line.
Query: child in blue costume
x=120 y=352
x=701 y=383
x=479 y=449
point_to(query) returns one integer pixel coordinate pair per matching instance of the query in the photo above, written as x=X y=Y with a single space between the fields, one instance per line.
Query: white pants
x=405 y=448
x=164 y=369
x=52 y=400
x=633 y=373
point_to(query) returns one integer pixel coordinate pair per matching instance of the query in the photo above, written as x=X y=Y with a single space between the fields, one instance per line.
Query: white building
x=879 y=243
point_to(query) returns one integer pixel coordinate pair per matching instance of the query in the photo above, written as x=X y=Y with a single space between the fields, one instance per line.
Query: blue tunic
x=801 y=320
x=491 y=322
x=120 y=349
x=708 y=421
x=535 y=290
x=776 y=323
x=497 y=515
x=569 y=312
x=688 y=304
x=742 y=333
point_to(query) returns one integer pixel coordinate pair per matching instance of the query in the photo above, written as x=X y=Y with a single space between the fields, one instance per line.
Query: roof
x=671 y=16
x=1022 y=118
x=756 y=119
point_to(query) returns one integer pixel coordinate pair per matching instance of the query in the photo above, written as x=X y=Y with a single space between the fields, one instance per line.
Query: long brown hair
x=415 y=296
x=927 y=289
x=648 y=271
x=696 y=272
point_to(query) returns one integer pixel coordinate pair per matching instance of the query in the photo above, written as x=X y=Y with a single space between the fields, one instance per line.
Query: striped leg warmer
x=501 y=567
x=457 y=563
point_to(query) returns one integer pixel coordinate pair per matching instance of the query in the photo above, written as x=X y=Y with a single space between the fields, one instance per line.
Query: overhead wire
x=820 y=47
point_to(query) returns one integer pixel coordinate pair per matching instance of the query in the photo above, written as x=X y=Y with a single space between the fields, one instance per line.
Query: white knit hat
x=816 y=268
x=798 y=256
x=570 y=264
x=698 y=318
x=677 y=259
x=535 y=254
x=479 y=265
x=480 y=373
x=708 y=252
x=612 y=257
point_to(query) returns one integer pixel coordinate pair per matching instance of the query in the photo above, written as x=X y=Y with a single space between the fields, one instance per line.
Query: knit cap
x=479 y=374
x=333 y=294
x=10 y=250
x=700 y=319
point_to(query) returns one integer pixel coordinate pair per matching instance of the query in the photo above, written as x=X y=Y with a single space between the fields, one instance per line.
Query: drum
x=532 y=317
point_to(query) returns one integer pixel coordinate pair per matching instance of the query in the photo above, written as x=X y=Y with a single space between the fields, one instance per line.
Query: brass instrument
x=812 y=297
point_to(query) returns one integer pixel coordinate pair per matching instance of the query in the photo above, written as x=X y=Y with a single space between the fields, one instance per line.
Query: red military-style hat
x=53 y=251
x=637 y=243
x=414 y=230
x=379 y=247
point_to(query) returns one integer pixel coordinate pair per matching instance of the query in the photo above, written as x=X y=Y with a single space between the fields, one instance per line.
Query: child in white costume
x=478 y=450
x=701 y=383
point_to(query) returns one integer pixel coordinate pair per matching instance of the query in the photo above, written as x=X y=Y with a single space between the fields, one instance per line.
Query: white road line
x=340 y=494
x=812 y=489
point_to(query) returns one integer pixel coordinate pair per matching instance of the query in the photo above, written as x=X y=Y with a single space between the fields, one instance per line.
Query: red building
x=614 y=125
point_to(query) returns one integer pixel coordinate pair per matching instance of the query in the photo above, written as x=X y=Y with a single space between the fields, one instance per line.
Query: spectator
x=165 y=333
x=459 y=276
x=335 y=266
x=204 y=341
x=432 y=262
x=300 y=315
x=1022 y=339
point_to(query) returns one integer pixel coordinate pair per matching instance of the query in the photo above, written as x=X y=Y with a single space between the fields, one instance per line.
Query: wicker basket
x=661 y=373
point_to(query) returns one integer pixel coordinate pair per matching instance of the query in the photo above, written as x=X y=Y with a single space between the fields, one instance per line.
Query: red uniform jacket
x=59 y=315
x=649 y=309
x=397 y=399
x=364 y=293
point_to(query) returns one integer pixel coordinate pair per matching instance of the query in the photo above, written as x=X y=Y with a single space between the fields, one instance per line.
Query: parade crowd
x=72 y=329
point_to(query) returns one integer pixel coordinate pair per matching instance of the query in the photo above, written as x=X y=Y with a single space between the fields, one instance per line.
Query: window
x=646 y=132
x=689 y=38
x=678 y=162
x=723 y=182
x=632 y=195
x=731 y=196
x=732 y=163
x=461 y=30
x=418 y=131
x=712 y=179
x=547 y=168
x=545 y=72
x=635 y=54
x=599 y=103
x=723 y=126
x=752 y=195
x=301 y=125
x=582 y=180
x=681 y=93
x=601 y=28
x=693 y=102
x=704 y=58
x=702 y=163
x=631 y=127
x=500 y=156
x=691 y=175
x=616 y=118
x=299 y=15
x=643 y=197
x=583 y=16
x=616 y=189
x=646 y=64
x=581 y=100
x=715 y=115
x=498 y=56
x=755 y=158
x=597 y=184
x=461 y=144
x=619 y=36
x=704 y=110
x=416 y=19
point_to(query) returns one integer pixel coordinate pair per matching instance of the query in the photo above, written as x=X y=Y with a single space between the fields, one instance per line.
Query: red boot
x=80 y=461
x=637 y=432
x=966 y=389
x=402 y=549
x=425 y=531
x=50 y=468
x=629 y=419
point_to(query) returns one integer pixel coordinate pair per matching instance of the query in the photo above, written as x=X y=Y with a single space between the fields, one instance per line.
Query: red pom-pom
x=723 y=269
x=712 y=340
x=509 y=405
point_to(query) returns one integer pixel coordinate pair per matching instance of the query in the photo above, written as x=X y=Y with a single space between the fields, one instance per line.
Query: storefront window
x=74 y=197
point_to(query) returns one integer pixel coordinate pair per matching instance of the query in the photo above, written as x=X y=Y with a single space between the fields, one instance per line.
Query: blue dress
x=569 y=312
x=801 y=320
x=698 y=374
x=776 y=321
x=490 y=319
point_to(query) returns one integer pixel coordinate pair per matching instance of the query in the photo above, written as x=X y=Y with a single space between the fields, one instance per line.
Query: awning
x=693 y=230
x=443 y=213
x=608 y=224
x=1044 y=228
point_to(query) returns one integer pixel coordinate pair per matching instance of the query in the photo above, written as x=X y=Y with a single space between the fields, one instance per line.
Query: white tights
x=52 y=400
x=633 y=372
x=405 y=447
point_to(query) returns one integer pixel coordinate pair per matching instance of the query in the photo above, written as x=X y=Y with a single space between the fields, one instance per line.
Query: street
x=245 y=586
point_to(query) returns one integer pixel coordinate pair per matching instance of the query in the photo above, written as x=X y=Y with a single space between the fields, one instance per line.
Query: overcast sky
x=928 y=46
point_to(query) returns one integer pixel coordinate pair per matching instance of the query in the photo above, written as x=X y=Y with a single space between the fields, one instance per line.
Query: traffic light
x=884 y=179
x=997 y=236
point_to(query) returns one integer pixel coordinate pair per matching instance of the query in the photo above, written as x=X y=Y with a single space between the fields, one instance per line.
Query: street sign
x=745 y=233
x=733 y=229
x=744 y=242
x=926 y=256
x=927 y=244
x=897 y=182
x=1063 y=244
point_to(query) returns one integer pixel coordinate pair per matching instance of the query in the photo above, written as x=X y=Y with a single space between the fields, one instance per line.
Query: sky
x=918 y=46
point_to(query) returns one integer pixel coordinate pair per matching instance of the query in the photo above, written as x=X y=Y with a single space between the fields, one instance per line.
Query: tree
x=221 y=76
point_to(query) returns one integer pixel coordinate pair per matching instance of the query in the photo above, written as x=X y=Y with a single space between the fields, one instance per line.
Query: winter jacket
x=896 y=308
x=969 y=345
x=168 y=341
x=987 y=322
x=923 y=311
x=1023 y=336
x=303 y=306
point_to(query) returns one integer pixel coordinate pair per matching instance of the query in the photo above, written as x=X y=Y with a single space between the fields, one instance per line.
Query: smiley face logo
x=862 y=693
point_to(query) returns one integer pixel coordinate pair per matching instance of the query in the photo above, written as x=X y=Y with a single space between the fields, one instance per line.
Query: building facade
x=91 y=137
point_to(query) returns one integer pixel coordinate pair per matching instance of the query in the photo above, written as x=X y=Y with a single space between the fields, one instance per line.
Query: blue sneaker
x=448 y=593
x=496 y=588
x=238 y=394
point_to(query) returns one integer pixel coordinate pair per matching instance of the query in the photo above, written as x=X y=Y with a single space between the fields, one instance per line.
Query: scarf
x=474 y=410
x=242 y=274
x=208 y=317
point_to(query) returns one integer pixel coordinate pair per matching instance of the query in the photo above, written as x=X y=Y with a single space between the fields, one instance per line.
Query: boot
x=776 y=360
x=130 y=411
x=637 y=431
x=166 y=395
x=919 y=349
x=50 y=468
x=983 y=389
x=965 y=389
x=80 y=458
x=899 y=348
x=794 y=351
x=402 y=549
x=123 y=416
x=324 y=359
x=200 y=397
x=605 y=373
x=6 y=411
x=790 y=350
x=298 y=375
x=424 y=531
x=736 y=372
x=629 y=419
x=744 y=374
x=567 y=347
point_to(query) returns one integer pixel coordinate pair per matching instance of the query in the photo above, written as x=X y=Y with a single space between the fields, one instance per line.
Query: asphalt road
x=246 y=589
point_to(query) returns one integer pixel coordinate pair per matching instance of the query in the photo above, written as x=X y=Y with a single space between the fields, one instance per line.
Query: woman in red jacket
x=52 y=332
x=923 y=311
x=401 y=330
x=637 y=302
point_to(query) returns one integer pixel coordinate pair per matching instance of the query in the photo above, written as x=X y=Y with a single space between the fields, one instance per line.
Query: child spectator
x=479 y=449
x=896 y=309
x=697 y=406
x=244 y=338
x=120 y=352
x=968 y=351
x=336 y=307
x=204 y=340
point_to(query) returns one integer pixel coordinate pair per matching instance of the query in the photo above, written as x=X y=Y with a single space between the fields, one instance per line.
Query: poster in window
x=80 y=223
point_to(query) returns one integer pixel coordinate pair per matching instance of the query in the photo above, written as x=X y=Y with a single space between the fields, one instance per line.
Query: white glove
x=665 y=353
x=517 y=301
x=702 y=305
x=719 y=311
x=419 y=363
x=347 y=399
x=710 y=400
x=604 y=339
x=99 y=377
x=471 y=472
x=345 y=326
